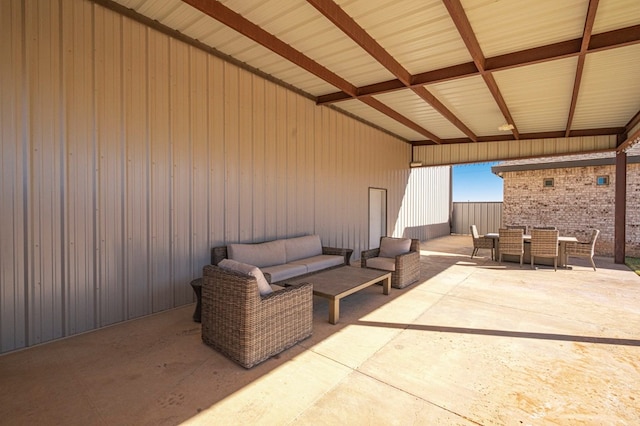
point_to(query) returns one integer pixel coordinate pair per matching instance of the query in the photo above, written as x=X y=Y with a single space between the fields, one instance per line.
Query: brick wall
x=575 y=204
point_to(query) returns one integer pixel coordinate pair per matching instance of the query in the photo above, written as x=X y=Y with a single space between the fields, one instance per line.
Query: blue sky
x=475 y=182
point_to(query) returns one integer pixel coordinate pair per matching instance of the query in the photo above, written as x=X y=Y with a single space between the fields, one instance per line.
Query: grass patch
x=633 y=263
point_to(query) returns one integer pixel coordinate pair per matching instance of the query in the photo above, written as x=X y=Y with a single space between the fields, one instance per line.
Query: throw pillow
x=244 y=268
x=392 y=247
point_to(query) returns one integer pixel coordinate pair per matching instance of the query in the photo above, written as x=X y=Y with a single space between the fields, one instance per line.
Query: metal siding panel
x=259 y=165
x=470 y=98
x=200 y=166
x=13 y=319
x=231 y=155
x=77 y=80
x=615 y=14
x=487 y=216
x=539 y=96
x=417 y=30
x=216 y=154
x=291 y=157
x=604 y=101
x=181 y=152
x=160 y=196
x=110 y=202
x=501 y=27
x=282 y=169
x=364 y=111
x=245 y=157
x=434 y=155
x=271 y=159
x=137 y=153
x=410 y=105
x=45 y=200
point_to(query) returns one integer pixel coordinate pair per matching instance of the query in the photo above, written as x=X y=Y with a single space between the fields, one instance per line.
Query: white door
x=377 y=216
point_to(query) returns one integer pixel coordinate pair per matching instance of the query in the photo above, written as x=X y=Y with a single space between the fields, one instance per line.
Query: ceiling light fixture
x=506 y=127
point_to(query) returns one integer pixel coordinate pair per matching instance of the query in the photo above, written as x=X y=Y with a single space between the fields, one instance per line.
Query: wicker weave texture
x=523 y=227
x=544 y=242
x=249 y=328
x=586 y=250
x=481 y=242
x=407 y=265
x=511 y=241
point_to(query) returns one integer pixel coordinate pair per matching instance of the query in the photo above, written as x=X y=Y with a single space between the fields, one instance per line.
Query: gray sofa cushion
x=317 y=263
x=302 y=247
x=384 y=263
x=244 y=268
x=392 y=247
x=283 y=272
x=261 y=255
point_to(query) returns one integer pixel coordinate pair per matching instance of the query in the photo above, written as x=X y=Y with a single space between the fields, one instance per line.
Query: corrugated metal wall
x=127 y=154
x=486 y=215
x=426 y=208
x=438 y=155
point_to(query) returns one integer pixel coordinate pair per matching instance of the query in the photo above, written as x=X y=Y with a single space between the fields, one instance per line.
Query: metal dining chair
x=544 y=243
x=586 y=249
x=511 y=242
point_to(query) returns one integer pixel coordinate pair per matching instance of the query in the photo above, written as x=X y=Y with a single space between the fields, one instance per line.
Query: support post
x=619 y=238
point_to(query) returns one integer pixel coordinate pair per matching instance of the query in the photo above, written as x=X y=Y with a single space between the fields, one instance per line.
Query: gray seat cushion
x=283 y=272
x=384 y=263
x=317 y=263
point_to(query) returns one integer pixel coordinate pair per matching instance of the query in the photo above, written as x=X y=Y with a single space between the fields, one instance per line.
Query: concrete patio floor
x=473 y=342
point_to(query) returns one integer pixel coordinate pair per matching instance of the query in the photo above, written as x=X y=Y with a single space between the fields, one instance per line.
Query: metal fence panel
x=486 y=215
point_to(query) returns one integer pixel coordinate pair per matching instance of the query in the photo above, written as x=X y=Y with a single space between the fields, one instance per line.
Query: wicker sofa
x=248 y=324
x=400 y=256
x=283 y=259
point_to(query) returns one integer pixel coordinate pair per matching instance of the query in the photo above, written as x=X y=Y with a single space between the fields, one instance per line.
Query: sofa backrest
x=303 y=247
x=261 y=255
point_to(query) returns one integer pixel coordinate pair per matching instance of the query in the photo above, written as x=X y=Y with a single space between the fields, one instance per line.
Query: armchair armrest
x=368 y=254
x=339 y=252
x=217 y=254
x=407 y=260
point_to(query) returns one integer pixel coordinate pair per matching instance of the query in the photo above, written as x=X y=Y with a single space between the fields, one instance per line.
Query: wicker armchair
x=481 y=242
x=584 y=249
x=404 y=268
x=249 y=328
x=511 y=242
x=544 y=243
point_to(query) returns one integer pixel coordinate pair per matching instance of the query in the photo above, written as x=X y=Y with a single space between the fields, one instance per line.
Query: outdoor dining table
x=562 y=247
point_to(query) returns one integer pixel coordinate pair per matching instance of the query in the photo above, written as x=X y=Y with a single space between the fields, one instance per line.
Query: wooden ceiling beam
x=350 y=27
x=233 y=20
x=633 y=122
x=376 y=104
x=460 y=20
x=629 y=142
x=586 y=38
x=565 y=49
x=438 y=106
x=353 y=30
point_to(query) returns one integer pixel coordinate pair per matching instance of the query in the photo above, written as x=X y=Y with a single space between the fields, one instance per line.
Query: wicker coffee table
x=337 y=283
